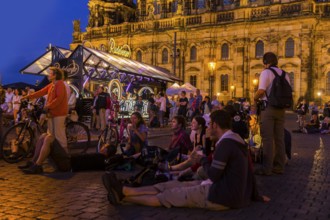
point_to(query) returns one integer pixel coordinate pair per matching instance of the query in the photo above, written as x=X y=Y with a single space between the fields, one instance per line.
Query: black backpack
x=281 y=92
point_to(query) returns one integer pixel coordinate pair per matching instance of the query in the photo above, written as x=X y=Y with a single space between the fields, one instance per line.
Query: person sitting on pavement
x=325 y=126
x=187 y=167
x=57 y=110
x=313 y=126
x=231 y=182
x=180 y=142
x=138 y=132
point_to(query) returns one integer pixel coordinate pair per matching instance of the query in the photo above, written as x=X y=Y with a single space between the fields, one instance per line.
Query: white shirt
x=9 y=97
x=162 y=102
x=267 y=77
x=16 y=98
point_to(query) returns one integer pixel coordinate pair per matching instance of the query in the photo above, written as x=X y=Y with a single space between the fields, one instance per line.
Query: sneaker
x=27 y=165
x=262 y=172
x=304 y=130
x=114 y=188
x=34 y=169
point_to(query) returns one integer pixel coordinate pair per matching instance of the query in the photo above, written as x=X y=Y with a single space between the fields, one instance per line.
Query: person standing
x=161 y=102
x=272 y=120
x=183 y=103
x=16 y=103
x=101 y=105
x=57 y=110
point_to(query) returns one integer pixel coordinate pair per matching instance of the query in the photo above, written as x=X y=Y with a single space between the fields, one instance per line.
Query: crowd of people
x=209 y=168
x=313 y=119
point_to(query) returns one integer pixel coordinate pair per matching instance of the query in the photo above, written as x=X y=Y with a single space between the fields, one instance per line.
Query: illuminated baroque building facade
x=218 y=45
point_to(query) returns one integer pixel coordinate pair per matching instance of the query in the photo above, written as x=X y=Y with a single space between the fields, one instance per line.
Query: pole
x=174 y=54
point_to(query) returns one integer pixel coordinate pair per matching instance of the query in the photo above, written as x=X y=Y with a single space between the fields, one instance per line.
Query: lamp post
x=232 y=88
x=212 y=68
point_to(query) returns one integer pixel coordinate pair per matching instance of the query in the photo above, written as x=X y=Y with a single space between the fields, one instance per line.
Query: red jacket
x=57 y=100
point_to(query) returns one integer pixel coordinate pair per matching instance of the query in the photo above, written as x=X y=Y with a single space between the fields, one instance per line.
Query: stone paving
x=302 y=192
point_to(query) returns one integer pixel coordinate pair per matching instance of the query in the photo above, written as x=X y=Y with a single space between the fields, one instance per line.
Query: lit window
x=193 y=53
x=259 y=49
x=224 y=52
x=193 y=80
x=289 y=47
x=224 y=82
x=164 y=56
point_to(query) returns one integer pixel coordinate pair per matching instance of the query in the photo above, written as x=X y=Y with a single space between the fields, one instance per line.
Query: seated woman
x=313 y=126
x=137 y=136
x=180 y=141
x=198 y=129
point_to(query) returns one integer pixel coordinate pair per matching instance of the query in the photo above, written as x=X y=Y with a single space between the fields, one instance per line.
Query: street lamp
x=212 y=68
x=232 y=88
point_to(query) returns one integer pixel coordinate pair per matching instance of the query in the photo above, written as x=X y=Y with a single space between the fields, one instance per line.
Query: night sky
x=29 y=26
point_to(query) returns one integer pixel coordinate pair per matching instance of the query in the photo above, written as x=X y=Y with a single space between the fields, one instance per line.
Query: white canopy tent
x=173 y=89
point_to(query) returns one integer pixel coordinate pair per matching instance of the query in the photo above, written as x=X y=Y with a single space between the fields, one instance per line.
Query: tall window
x=327 y=86
x=224 y=82
x=289 y=47
x=164 y=56
x=193 y=80
x=193 y=53
x=139 y=56
x=224 y=52
x=259 y=49
x=291 y=75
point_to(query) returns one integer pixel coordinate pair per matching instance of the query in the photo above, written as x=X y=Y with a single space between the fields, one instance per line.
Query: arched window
x=193 y=80
x=193 y=53
x=224 y=52
x=224 y=82
x=259 y=49
x=327 y=85
x=164 y=56
x=289 y=47
x=139 y=56
x=291 y=75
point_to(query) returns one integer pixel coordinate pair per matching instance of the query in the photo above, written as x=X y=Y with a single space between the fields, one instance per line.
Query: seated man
x=231 y=182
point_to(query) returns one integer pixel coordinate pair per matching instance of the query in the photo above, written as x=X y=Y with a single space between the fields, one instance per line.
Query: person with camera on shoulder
x=274 y=95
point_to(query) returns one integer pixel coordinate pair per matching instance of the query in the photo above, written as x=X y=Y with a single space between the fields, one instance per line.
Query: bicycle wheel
x=78 y=136
x=16 y=143
x=108 y=136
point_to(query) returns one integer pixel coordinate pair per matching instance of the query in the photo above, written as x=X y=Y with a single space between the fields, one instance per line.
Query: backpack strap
x=276 y=74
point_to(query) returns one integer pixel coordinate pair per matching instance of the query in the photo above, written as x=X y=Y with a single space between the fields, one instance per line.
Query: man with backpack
x=274 y=95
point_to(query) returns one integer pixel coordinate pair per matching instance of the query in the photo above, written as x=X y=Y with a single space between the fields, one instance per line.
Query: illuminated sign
x=72 y=69
x=124 y=50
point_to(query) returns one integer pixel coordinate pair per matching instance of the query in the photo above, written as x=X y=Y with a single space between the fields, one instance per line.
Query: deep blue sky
x=27 y=28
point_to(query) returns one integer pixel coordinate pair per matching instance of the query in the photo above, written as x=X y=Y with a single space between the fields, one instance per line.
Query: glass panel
x=259 y=49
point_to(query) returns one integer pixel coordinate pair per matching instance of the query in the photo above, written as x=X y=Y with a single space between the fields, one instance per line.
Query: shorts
x=189 y=194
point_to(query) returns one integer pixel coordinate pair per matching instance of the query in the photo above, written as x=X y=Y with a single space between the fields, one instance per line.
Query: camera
x=261 y=106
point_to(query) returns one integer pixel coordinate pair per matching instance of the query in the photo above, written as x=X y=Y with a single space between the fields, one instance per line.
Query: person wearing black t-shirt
x=183 y=102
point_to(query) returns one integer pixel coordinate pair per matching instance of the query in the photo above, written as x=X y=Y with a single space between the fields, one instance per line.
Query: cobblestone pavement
x=302 y=192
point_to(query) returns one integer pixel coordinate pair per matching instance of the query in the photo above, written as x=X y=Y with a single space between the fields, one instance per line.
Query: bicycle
x=110 y=135
x=19 y=138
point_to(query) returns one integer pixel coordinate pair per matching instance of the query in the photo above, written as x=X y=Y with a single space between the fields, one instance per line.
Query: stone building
x=217 y=45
